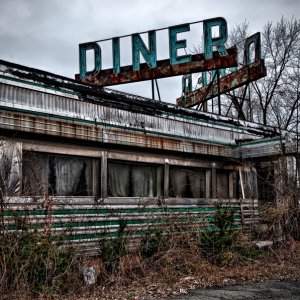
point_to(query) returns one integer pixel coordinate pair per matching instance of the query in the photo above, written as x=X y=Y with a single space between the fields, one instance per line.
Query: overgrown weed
x=36 y=263
x=226 y=245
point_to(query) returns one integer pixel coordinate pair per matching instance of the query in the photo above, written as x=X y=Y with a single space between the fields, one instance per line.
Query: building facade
x=79 y=157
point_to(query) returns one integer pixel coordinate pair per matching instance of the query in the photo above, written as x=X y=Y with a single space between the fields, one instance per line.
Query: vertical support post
x=219 y=96
x=157 y=89
x=242 y=182
x=19 y=167
x=213 y=181
x=205 y=106
x=297 y=153
x=243 y=195
x=152 y=87
x=104 y=174
x=242 y=212
x=207 y=183
x=166 y=178
x=159 y=179
x=231 y=185
x=96 y=179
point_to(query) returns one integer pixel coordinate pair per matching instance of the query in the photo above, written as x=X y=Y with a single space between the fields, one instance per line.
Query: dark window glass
x=222 y=184
x=35 y=168
x=57 y=175
x=127 y=180
x=187 y=183
x=266 y=184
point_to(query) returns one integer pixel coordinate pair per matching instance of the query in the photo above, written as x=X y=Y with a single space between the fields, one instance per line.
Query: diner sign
x=215 y=56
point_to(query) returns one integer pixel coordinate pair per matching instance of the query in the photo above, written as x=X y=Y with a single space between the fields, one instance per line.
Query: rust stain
x=163 y=69
x=227 y=83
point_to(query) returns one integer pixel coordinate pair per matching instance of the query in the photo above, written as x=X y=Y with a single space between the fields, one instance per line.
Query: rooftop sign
x=153 y=68
x=223 y=81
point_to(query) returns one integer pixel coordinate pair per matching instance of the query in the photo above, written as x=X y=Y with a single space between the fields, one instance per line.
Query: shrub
x=225 y=245
x=152 y=244
x=34 y=262
x=112 y=249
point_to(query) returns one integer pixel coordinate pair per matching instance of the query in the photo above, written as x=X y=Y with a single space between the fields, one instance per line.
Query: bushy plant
x=226 y=244
x=35 y=262
x=112 y=249
x=152 y=244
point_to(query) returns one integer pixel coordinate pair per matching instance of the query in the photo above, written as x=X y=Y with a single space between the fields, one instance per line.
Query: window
x=10 y=168
x=222 y=184
x=128 y=180
x=250 y=183
x=60 y=175
x=189 y=183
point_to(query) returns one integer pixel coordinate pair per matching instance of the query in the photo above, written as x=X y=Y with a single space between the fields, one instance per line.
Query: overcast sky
x=45 y=34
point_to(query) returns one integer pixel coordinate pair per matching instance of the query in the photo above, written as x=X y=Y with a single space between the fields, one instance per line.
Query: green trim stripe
x=39 y=212
x=86 y=236
x=73 y=225
x=105 y=234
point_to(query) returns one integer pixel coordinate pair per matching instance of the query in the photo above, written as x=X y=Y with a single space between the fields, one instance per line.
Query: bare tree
x=234 y=103
x=274 y=99
x=276 y=96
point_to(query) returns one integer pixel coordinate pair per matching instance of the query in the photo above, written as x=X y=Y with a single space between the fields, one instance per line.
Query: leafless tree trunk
x=277 y=95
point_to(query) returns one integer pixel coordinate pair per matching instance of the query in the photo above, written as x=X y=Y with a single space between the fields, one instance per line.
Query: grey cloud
x=45 y=33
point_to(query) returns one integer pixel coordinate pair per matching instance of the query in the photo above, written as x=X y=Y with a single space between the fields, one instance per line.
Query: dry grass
x=179 y=268
x=177 y=271
x=177 y=262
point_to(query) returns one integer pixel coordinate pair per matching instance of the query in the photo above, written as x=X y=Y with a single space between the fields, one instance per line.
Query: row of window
x=63 y=175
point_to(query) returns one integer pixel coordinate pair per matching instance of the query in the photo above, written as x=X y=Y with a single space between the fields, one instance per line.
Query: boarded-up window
x=59 y=175
x=187 y=183
x=128 y=180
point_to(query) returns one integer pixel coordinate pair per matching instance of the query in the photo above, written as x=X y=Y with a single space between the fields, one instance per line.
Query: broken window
x=59 y=175
x=187 y=183
x=128 y=180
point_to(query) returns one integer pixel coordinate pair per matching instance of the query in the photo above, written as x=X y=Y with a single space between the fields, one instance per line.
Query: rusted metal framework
x=222 y=81
x=225 y=84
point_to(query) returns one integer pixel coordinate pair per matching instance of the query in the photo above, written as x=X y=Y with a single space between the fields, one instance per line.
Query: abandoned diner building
x=76 y=156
